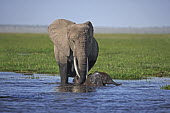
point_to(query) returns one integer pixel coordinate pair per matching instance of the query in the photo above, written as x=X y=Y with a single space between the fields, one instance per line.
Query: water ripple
x=42 y=94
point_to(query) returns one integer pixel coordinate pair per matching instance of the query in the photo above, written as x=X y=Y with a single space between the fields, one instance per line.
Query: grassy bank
x=123 y=56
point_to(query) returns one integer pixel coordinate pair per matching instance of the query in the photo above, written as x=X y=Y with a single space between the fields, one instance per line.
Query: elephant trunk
x=82 y=70
x=81 y=64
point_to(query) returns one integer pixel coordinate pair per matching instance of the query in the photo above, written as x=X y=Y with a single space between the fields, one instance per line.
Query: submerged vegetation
x=166 y=87
x=123 y=56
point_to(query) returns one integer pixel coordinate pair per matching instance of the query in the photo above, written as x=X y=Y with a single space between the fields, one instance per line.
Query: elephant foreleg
x=63 y=73
x=62 y=62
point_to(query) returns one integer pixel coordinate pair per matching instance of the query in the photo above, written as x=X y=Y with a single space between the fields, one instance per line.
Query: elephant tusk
x=75 y=66
x=87 y=68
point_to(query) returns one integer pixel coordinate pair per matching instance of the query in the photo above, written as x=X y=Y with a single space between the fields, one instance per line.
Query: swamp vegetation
x=123 y=56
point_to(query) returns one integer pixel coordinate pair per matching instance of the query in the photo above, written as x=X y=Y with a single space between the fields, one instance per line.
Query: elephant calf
x=99 y=79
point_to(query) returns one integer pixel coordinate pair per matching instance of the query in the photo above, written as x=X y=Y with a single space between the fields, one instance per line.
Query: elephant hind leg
x=91 y=64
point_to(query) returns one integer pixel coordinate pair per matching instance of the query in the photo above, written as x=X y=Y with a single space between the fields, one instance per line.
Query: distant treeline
x=43 y=29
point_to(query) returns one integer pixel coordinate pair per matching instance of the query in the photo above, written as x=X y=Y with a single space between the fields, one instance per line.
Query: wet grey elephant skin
x=99 y=79
x=75 y=48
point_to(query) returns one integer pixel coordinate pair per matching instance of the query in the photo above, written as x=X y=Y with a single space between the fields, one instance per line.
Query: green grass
x=123 y=56
x=166 y=87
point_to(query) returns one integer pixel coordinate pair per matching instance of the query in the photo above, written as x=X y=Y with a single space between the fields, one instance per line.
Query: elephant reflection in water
x=75 y=88
x=97 y=79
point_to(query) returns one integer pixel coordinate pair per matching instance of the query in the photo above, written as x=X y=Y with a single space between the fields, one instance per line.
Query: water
x=40 y=93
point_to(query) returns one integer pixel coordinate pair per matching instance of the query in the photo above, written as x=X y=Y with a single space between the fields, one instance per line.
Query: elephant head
x=80 y=38
x=74 y=41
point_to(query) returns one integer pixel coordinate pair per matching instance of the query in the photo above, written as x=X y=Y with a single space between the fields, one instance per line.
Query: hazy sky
x=112 y=13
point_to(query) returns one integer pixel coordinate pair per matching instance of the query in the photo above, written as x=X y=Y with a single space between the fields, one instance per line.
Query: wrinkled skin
x=99 y=79
x=75 y=48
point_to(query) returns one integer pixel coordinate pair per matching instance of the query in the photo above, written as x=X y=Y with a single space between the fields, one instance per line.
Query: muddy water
x=42 y=94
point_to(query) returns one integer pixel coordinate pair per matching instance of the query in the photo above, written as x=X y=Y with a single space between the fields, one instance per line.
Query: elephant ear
x=90 y=26
x=58 y=34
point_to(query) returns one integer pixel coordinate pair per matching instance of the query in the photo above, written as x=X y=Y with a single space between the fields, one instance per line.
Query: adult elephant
x=75 y=48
